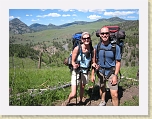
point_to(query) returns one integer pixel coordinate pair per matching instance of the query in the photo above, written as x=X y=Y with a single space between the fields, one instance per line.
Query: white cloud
x=92 y=10
x=97 y=10
x=131 y=17
x=119 y=13
x=71 y=10
x=28 y=15
x=66 y=15
x=34 y=20
x=66 y=10
x=49 y=15
x=53 y=15
x=74 y=15
x=41 y=16
x=12 y=17
x=42 y=9
x=83 y=10
x=94 y=17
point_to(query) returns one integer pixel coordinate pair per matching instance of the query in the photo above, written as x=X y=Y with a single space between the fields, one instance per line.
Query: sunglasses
x=86 y=38
x=102 y=33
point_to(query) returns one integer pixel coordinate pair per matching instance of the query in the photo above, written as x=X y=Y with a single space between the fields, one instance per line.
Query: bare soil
x=94 y=98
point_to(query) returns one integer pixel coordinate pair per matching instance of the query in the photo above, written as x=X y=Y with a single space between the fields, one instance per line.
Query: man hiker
x=106 y=65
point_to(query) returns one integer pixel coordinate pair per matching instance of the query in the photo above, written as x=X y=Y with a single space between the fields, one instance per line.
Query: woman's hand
x=95 y=66
x=75 y=66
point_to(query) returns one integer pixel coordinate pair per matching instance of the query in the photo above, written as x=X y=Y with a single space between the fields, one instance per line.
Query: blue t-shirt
x=108 y=61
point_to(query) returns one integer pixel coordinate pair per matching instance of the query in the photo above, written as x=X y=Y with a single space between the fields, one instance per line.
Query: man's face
x=104 y=34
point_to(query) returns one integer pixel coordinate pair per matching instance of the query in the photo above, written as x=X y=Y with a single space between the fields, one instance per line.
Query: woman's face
x=86 y=39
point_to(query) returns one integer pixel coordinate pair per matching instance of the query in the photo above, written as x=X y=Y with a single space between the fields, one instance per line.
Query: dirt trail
x=124 y=95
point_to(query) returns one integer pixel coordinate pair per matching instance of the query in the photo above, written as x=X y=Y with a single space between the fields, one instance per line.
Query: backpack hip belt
x=80 y=70
x=111 y=71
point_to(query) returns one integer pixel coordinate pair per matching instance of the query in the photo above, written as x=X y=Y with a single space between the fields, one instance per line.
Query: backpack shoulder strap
x=98 y=48
x=79 y=51
x=114 y=51
x=113 y=48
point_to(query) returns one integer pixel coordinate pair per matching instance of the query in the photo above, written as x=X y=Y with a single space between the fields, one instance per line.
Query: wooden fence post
x=40 y=59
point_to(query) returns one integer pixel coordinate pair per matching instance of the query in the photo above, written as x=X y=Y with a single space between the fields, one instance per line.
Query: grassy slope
x=58 y=34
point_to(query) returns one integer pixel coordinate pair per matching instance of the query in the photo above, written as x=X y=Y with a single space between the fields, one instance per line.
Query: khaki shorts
x=84 y=78
x=106 y=82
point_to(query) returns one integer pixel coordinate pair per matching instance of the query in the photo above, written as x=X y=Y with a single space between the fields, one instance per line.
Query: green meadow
x=25 y=76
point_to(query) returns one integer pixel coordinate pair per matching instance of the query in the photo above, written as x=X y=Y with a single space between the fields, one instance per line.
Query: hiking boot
x=81 y=103
x=102 y=103
x=66 y=103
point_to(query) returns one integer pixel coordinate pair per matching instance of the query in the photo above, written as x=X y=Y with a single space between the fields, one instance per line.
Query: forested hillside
x=55 y=44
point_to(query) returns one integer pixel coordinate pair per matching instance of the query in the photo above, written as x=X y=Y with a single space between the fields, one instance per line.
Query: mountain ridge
x=16 y=26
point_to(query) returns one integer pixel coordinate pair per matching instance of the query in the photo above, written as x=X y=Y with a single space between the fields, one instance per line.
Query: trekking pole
x=76 y=70
x=91 y=95
x=76 y=88
x=92 y=91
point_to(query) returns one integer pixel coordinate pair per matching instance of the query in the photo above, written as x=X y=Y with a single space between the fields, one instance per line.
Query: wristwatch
x=116 y=74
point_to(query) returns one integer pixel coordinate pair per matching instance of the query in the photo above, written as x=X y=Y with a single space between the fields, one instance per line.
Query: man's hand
x=114 y=80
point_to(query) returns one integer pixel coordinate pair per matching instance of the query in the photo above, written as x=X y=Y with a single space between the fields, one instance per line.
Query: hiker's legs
x=114 y=96
x=73 y=92
x=114 y=92
x=73 y=85
x=102 y=93
x=102 y=86
x=82 y=86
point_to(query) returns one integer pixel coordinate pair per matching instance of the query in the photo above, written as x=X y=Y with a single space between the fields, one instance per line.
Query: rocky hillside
x=41 y=27
x=18 y=27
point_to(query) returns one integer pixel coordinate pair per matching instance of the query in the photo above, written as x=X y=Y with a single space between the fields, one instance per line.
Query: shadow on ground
x=94 y=94
x=93 y=98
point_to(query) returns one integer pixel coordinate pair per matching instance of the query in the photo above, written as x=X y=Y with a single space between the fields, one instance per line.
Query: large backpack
x=116 y=38
x=76 y=41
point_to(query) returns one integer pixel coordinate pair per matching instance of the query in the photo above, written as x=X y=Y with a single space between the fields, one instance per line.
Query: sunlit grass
x=30 y=77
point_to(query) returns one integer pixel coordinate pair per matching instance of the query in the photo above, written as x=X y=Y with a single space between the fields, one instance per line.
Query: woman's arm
x=74 y=55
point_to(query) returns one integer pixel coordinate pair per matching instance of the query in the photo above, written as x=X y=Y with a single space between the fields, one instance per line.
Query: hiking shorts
x=106 y=82
x=84 y=78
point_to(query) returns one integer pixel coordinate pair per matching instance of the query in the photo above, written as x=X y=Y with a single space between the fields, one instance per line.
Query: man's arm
x=117 y=68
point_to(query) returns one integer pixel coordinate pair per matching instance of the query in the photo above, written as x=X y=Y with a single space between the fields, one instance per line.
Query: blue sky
x=62 y=16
